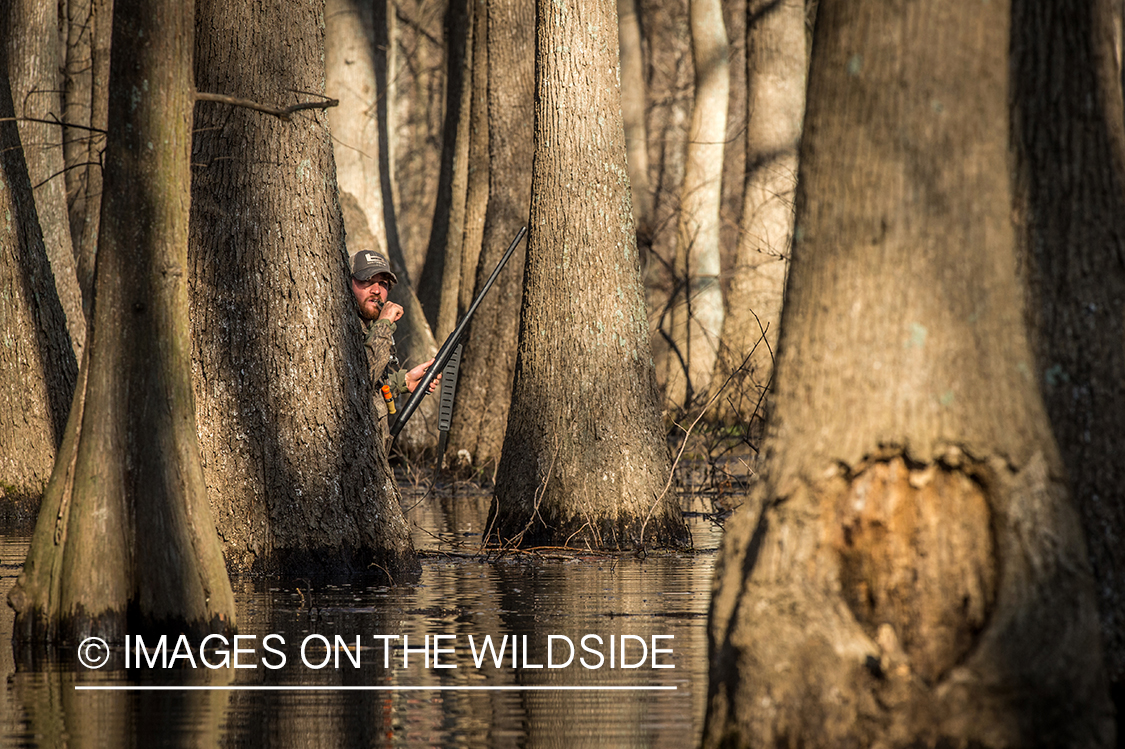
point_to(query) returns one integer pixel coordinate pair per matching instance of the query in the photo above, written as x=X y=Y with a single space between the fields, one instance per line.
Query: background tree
x=484 y=390
x=633 y=111
x=125 y=539
x=697 y=304
x=584 y=456
x=917 y=574
x=88 y=25
x=37 y=366
x=283 y=397
x=776 y=62
x=439 y=284
x=33 y=71
x=1068 y=121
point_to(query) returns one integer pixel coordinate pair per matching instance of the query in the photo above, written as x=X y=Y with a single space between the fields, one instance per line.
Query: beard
x=370 y=308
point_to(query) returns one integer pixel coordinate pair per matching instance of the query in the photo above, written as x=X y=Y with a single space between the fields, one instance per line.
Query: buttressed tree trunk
x=125 y=539
x=697 y=312
x=37 y=366
x=776 y=62
x=297 y=479
x=31 y=35
x=485 y=389
x=1068 y=121
x=916 y=575
x=584 y=456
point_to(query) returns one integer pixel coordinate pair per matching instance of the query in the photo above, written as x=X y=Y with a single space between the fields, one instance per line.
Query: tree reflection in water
x=458 y=595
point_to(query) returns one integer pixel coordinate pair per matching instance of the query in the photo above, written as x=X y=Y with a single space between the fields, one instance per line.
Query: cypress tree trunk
x=584 y=456
x=125 y=539
x=916 y=574
x=297 y=480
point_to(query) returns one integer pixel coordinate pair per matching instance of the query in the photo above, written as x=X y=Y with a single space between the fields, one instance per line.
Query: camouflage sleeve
x=379 y=342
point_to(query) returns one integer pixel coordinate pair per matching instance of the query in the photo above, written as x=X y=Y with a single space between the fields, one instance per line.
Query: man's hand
x=414 y=376
x=391 y=312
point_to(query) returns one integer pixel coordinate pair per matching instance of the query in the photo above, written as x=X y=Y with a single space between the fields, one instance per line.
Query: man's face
x=370 y=295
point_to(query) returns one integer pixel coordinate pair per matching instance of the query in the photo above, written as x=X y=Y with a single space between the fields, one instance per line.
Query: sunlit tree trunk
x=125 y=539
x=484 y=392
x=85 y=111
x=32 y=40
x=298 y=481
x=697 y=309
x=915 y=573
x=776 y=61
x=584 y=457
x=37 y=366
x=1069 y=124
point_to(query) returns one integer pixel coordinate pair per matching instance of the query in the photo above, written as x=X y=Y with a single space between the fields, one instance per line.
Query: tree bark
x=297 y=479
x=916 y=574
x=584 y=457
x=1068 y=122
x=31 y=34
x=125 y=540
x=85 y=111
x=776 y=63
x=697 y=307
x=485 y=388
x=37 y=366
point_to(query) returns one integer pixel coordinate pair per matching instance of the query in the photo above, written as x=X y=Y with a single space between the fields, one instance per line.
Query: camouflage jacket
x=382 y=364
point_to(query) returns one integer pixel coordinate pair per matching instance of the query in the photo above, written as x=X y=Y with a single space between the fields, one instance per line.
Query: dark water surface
x=656 y=602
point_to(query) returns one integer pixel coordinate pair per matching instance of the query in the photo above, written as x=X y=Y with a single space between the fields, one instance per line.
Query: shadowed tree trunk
x=916 y=574
x=37 y=366
x=633 y=110
x=476 y=190
x=125 y=540
x=85 y=104
x=776 y=62
x=484 y=390
x=697 y=309
x=298 y=482
x=584 y=456
x=31 y=34
x=1068 y=122
x=439 y=286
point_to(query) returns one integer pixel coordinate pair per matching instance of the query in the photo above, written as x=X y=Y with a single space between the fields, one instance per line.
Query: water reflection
x=459 y=596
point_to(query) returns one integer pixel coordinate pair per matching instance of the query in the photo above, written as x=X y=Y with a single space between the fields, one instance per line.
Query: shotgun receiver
x=445 y=356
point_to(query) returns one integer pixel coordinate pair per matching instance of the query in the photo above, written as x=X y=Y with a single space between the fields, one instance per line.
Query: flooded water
x=529 y=650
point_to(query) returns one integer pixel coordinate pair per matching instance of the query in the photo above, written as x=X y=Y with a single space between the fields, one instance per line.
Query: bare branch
x=279 y=112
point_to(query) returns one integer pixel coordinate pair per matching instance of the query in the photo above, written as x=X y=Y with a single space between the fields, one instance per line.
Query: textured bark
x=633 y=105
x=125 y=540
x=697 y=306
x=297 y=480
x=1068 y=122
x=776 y=63
x=37 y=366
x=32 y=38
x=584 y=457
x=476 y=191
x=485 y=389
x=916 y=574
x=89 y=25
x=439 y=285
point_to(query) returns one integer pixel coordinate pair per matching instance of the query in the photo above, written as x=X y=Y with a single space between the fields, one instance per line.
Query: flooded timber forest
x=782 y=355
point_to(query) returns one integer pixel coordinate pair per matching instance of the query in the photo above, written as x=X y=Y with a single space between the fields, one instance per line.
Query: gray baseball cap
x=366 y=264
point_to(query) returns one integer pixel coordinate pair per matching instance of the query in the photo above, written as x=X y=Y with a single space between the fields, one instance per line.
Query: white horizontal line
x=299 y=688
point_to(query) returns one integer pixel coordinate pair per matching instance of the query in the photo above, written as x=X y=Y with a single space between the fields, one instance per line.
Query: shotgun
x=444 y=356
